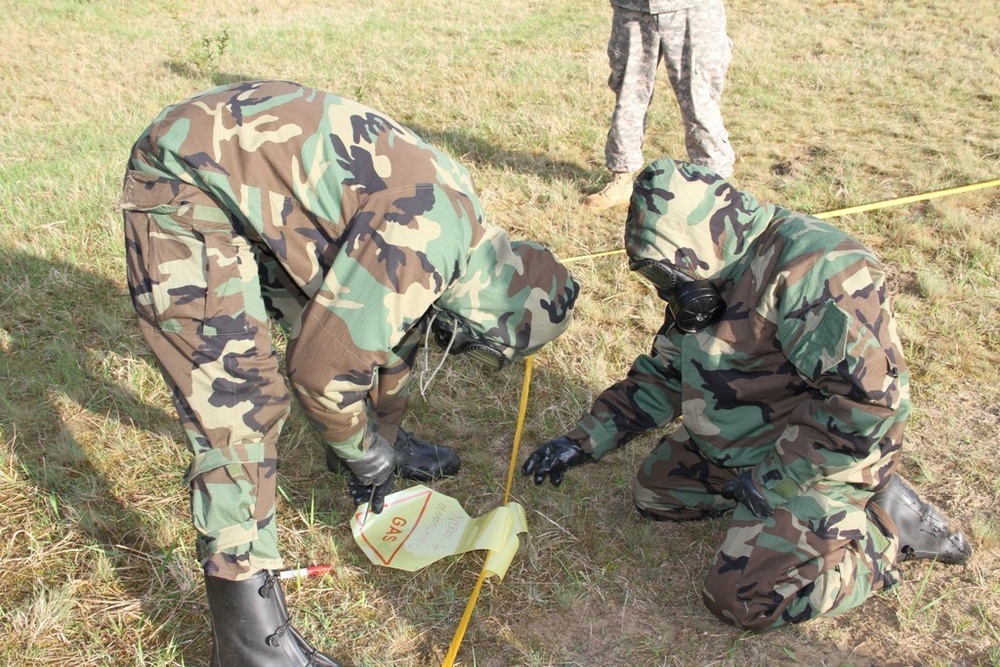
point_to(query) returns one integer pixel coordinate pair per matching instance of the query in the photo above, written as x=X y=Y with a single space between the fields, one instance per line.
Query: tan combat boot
x=617 y=191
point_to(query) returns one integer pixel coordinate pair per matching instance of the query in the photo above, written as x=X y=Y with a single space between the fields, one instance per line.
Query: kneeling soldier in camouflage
x=271 y=200
x=779 y=352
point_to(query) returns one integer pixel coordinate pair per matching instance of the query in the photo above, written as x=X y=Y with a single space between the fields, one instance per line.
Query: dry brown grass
x=829 y=104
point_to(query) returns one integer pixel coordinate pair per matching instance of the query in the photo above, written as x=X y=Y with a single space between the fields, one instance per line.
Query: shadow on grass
x=196 y=73
x=62 y=327
x=470 y=148
x=459 y=143
x=60 y=323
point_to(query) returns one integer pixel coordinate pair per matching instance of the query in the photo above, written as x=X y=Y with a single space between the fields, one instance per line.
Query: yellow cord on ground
x=523 y=408
x=908 y=200
x=861 y=208
x=456 y=640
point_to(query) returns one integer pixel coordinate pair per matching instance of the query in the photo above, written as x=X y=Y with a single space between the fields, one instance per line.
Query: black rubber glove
x=361 y=493
x=552 y=458
x=743 y=490
x=372 y=474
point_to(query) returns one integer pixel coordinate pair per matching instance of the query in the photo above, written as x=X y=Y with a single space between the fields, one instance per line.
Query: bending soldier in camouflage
x=779 y=353
x=271 y=200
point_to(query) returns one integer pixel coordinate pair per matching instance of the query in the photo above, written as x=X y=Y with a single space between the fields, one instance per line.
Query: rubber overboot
x=923 y=531
x=251 y=628
x=416 y=459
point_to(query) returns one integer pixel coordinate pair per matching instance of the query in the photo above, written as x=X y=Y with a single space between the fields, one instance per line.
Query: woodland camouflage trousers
x=820 y=554
x=195 y=287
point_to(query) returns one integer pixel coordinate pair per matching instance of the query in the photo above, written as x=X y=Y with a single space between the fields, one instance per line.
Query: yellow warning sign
x=419 y=526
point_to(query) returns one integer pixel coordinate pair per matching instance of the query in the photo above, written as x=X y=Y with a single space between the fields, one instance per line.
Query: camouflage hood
x=516 y=294
x=691 y=218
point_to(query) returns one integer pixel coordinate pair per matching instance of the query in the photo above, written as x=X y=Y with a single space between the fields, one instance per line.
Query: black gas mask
x=695 y=304
x=454 y=335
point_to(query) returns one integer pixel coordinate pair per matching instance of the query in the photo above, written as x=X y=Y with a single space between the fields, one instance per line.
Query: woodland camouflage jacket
x=803 y=379
x=362 y=223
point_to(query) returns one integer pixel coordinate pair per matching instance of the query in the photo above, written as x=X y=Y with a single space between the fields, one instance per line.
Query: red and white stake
x=311 y=571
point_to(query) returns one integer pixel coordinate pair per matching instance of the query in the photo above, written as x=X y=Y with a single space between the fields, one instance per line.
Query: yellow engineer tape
x=861 y=208
x=908 y=200
x=456 y=640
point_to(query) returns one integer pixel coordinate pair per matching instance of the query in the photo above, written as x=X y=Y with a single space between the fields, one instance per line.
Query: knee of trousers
x=650 y=503
x=724 y=602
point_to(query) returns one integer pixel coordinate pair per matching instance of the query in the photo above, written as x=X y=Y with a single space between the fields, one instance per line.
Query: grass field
x=829 y=104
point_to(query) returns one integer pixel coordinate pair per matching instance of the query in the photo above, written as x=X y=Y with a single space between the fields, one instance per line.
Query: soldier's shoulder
x=802 y=234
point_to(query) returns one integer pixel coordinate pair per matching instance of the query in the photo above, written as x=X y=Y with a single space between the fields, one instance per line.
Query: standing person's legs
x=194 y=283
x=697 y=52
x=195 y=286
x=633 y=54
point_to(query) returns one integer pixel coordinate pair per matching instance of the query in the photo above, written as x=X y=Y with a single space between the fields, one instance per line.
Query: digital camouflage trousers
x=694 y=46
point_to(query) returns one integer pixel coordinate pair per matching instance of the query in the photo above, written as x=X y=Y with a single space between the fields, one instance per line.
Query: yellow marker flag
x=419 y=526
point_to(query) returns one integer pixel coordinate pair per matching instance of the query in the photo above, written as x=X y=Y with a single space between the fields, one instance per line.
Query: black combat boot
x=416 y=459
x=923 y=531
x=419 y=460
x=251 y=628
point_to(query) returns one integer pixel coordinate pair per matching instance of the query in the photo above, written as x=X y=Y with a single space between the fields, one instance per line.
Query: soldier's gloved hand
x=552 y=458
x=372 y=474
x=743 y=490
x=361 y=493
